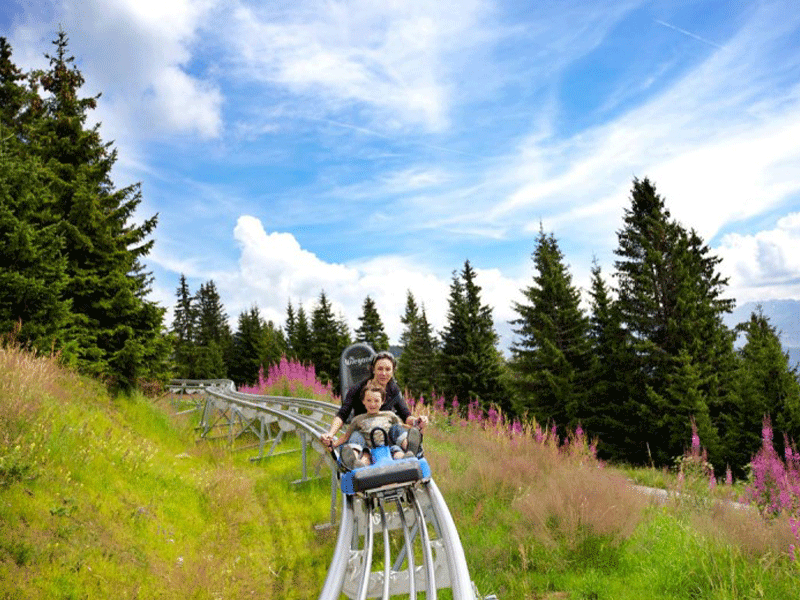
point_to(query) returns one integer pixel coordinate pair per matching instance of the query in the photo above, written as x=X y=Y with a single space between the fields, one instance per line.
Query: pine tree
x=371 y=330
x=329 y=338
x=551 y=355
x=213 y=339
x=115 y=329
x=611 y=381
x=470 y=364
x=670 y=299
x=417 y=365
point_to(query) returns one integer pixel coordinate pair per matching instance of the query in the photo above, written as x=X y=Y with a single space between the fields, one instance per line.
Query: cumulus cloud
x=273 y=269
x=765 y=265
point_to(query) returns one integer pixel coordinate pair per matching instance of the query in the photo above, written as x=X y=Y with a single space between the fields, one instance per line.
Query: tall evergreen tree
x=256 y=344
x=329 y=338
x=417 y=365
x=298 y=334
x=767 y=387
x=471 y=366
x=290 y=331
x=213 y=338
x=33 y=273
x=302 y=341
x=670 y=298
x=551 y=355
x=612 y=383
x=183 y=328
x=116 y=330
x=371 y=330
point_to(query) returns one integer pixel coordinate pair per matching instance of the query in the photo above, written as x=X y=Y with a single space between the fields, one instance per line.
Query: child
x=404 y=443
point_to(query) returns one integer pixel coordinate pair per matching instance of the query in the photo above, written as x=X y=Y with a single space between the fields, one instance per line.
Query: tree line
x=650 y=356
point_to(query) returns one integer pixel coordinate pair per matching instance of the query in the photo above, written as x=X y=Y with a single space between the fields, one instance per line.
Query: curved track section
x=393 y=540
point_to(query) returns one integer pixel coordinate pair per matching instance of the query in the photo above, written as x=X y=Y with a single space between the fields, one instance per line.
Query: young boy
x=404 y=442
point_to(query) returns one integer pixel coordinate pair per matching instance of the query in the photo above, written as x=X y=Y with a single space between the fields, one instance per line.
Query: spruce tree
x=470 y=364
x=33 y=273
x=371 y=330
x=767 y=387
x=551 y=354
x=417 y=365
x=329 y=338
x=301 y=340
x=115 y=329
x=249 y=348
x=611 y=401
x=670 y=299
x=213 y=339
x=290 y=331
x=183 y=325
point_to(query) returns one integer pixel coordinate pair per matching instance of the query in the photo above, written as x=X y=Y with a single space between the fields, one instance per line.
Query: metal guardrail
x=416 y=511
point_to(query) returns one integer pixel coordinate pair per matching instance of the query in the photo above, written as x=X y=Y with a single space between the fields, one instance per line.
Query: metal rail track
x=412 y=520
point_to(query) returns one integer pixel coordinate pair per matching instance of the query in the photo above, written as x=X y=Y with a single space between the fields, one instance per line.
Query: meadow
x=115 y=497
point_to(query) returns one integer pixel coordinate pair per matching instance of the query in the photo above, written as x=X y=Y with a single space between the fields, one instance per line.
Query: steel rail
x=443 y=560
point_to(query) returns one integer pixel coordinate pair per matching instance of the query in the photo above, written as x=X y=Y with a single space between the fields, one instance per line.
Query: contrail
x=689 y=33
x=388 y=137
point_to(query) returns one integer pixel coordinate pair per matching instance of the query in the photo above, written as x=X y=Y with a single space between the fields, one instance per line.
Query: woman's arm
x=345 y=436
x=327 y=438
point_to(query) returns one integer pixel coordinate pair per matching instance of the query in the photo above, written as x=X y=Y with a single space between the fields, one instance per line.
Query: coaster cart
x=395 y=501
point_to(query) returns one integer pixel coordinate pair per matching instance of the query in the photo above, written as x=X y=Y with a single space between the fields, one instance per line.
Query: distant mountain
x=784 y=316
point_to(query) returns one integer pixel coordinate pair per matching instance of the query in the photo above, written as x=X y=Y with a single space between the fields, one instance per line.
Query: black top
x=394 y=402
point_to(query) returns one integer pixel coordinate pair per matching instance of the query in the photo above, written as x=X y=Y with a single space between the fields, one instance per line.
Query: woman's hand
x=327 y=440
x=418 y=422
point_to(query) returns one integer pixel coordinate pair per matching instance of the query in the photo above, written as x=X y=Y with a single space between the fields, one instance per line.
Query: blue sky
x=370 y=148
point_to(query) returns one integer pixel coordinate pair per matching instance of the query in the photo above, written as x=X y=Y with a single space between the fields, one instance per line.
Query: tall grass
x=540 y=517
x=110 y=497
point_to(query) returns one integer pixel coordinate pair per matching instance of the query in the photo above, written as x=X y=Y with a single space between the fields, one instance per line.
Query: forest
x=647 y=360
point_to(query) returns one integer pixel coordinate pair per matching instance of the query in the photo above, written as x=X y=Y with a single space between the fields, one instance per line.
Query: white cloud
x=765 y=265
x=138 y=53
x=392 y=58
x=274 y=269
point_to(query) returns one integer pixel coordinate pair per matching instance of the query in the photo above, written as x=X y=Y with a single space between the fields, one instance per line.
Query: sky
x=369 y=148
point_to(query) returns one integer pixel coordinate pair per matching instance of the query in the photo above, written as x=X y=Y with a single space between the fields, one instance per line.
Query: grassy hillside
x=114 y=498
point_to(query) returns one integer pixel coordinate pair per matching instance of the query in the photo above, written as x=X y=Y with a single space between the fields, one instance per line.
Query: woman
x=381 y=370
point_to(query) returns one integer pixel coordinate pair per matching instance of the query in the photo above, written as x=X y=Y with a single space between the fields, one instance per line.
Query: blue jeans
x=397 y=433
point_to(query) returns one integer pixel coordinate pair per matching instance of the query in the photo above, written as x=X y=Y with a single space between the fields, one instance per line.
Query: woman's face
x=383 y=371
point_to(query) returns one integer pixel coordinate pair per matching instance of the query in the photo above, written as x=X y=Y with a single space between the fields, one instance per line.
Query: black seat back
x=354 y=365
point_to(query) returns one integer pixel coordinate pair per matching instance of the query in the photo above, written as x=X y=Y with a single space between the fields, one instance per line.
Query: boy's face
x=372 y=402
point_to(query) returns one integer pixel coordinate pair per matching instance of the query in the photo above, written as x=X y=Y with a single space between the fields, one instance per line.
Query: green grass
x=114 y=498
x=105 y=497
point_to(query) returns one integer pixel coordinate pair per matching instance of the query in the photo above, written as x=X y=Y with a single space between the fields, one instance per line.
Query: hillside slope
x=112 y=498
